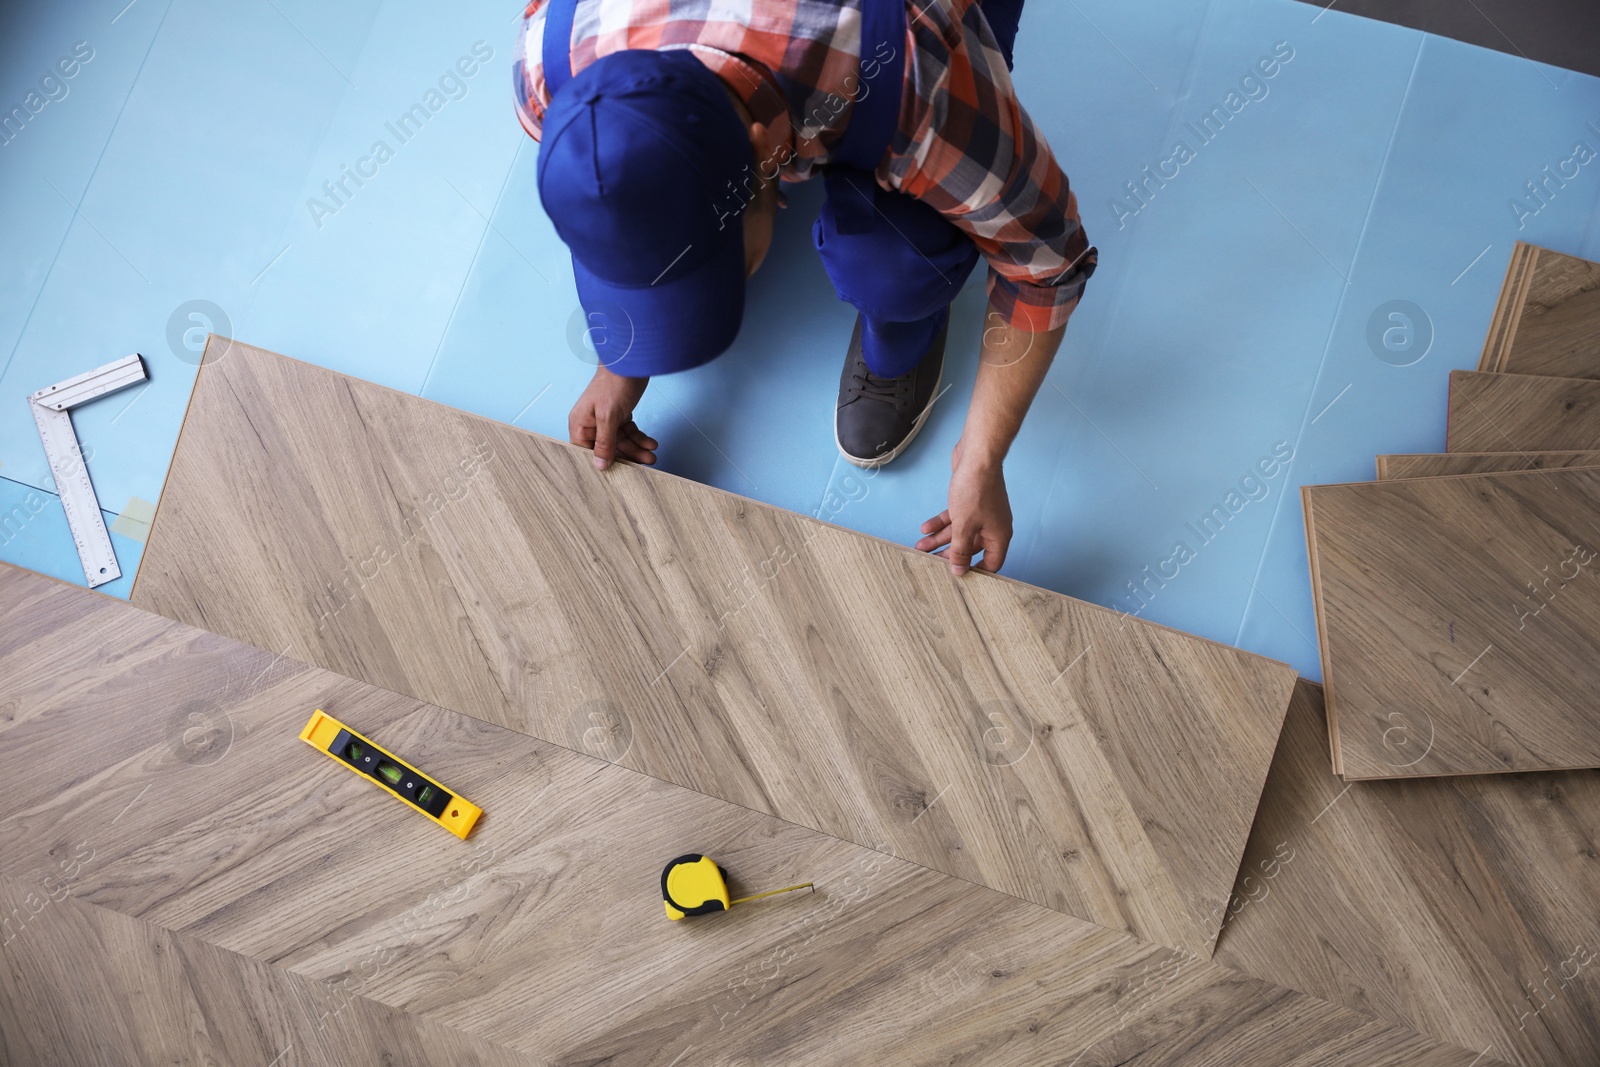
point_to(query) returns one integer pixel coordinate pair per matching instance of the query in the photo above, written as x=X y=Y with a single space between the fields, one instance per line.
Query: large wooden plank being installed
x=1054 y=750
x=155 y=771
x=1460 y=621
x=1444 y=464
x=1522 y=413
x=1548 y=317
x=1467 y=908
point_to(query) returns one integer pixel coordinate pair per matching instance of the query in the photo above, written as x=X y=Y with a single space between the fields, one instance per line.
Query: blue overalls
x=895 y=259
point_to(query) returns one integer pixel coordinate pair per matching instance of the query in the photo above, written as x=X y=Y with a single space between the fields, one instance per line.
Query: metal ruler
x=51 y=408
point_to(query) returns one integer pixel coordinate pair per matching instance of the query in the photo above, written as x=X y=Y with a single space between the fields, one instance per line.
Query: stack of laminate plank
x=1458 y=597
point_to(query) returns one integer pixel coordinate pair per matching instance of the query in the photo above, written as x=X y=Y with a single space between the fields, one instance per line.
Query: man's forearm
x=1011 y=368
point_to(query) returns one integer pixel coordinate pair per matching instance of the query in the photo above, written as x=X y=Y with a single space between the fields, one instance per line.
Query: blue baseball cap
x=640 y=165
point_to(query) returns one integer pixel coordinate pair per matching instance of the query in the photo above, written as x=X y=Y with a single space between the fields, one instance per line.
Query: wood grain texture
x=1445 y=464
x=1513 y=292
x=1548 y=318
x=1460 y=621
x=156 y=772
x=1057 y=751
x=83 y=985
x=1467 y=908
x=1522 y=413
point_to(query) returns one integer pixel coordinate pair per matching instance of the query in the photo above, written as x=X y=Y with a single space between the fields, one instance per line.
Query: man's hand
x=602 y=420
x=978 y=519
x=1011 y=367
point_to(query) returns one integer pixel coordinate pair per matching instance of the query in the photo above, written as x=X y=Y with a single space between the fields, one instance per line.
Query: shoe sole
x=916 y=428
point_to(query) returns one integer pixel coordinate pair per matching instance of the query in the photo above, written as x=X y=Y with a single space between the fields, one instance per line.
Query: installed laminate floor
x=1057 y=751
x=156 y=772
x=1467 y=907
x=1445 y=464
x=1522 y=413
x=1548 y=318
x=82 y=985
x=1459 y=617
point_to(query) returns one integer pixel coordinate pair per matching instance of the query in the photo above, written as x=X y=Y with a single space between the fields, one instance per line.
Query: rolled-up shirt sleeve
x=968 y=149
x=528 y=89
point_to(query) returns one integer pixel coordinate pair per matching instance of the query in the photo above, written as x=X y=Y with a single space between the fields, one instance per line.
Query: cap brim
x=670 y=326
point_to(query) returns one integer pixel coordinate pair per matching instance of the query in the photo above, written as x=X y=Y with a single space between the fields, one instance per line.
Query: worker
x=666 y=128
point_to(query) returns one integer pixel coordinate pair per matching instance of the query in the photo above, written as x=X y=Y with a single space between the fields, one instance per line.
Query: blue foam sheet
x=34 y=534
x=186 y=202
x=46 y=161
x=1227 y=327
x=1475 y=127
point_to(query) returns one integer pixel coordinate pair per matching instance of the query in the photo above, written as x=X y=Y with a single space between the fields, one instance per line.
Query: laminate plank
x=1508 y=308
x=1061 y=752
x=1462 y=907
x=1445 y=464
x=38 y=1027
x=1522 y=413
x=80 y=984
x=1460 y=621
x=543 y=933
x=1513 y=293
x=1548 y=319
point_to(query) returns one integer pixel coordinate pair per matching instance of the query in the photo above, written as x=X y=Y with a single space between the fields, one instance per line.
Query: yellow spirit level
x=327 y=734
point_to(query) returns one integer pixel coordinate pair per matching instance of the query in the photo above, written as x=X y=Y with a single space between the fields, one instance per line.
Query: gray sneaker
x=878 y=417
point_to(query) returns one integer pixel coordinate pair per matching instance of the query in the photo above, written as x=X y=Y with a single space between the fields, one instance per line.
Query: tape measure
x=694 y=885
x=328 y=735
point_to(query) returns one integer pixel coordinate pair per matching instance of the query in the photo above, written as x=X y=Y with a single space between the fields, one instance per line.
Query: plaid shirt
x=964 y=146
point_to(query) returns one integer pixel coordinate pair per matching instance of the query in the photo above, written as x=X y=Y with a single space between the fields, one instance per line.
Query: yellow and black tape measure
x=451 y=811
x=694 y=885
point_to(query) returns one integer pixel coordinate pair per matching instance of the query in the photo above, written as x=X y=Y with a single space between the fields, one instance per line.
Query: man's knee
x=907 y=266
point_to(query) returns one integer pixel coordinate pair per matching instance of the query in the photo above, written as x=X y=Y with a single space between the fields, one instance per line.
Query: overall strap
x=851 y=188
x=557 y=51
x=876 y=110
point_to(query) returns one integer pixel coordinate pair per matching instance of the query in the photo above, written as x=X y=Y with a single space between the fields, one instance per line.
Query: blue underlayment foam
x=34 y=534
x=170 y=189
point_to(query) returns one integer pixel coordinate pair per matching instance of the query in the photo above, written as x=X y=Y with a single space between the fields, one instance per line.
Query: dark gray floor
x=1563 y=32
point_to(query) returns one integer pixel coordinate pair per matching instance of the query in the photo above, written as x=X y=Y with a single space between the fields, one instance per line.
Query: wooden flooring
x=1444 y=464
x=1548 y=318
x=1056 y=751
x=1464 y=907
x=1507 y=310
x=1522 y=413
x=82 y=985
x=1460 y=621
x=155 y=773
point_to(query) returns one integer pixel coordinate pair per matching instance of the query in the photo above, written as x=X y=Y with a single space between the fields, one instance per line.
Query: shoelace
x=890 y=390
